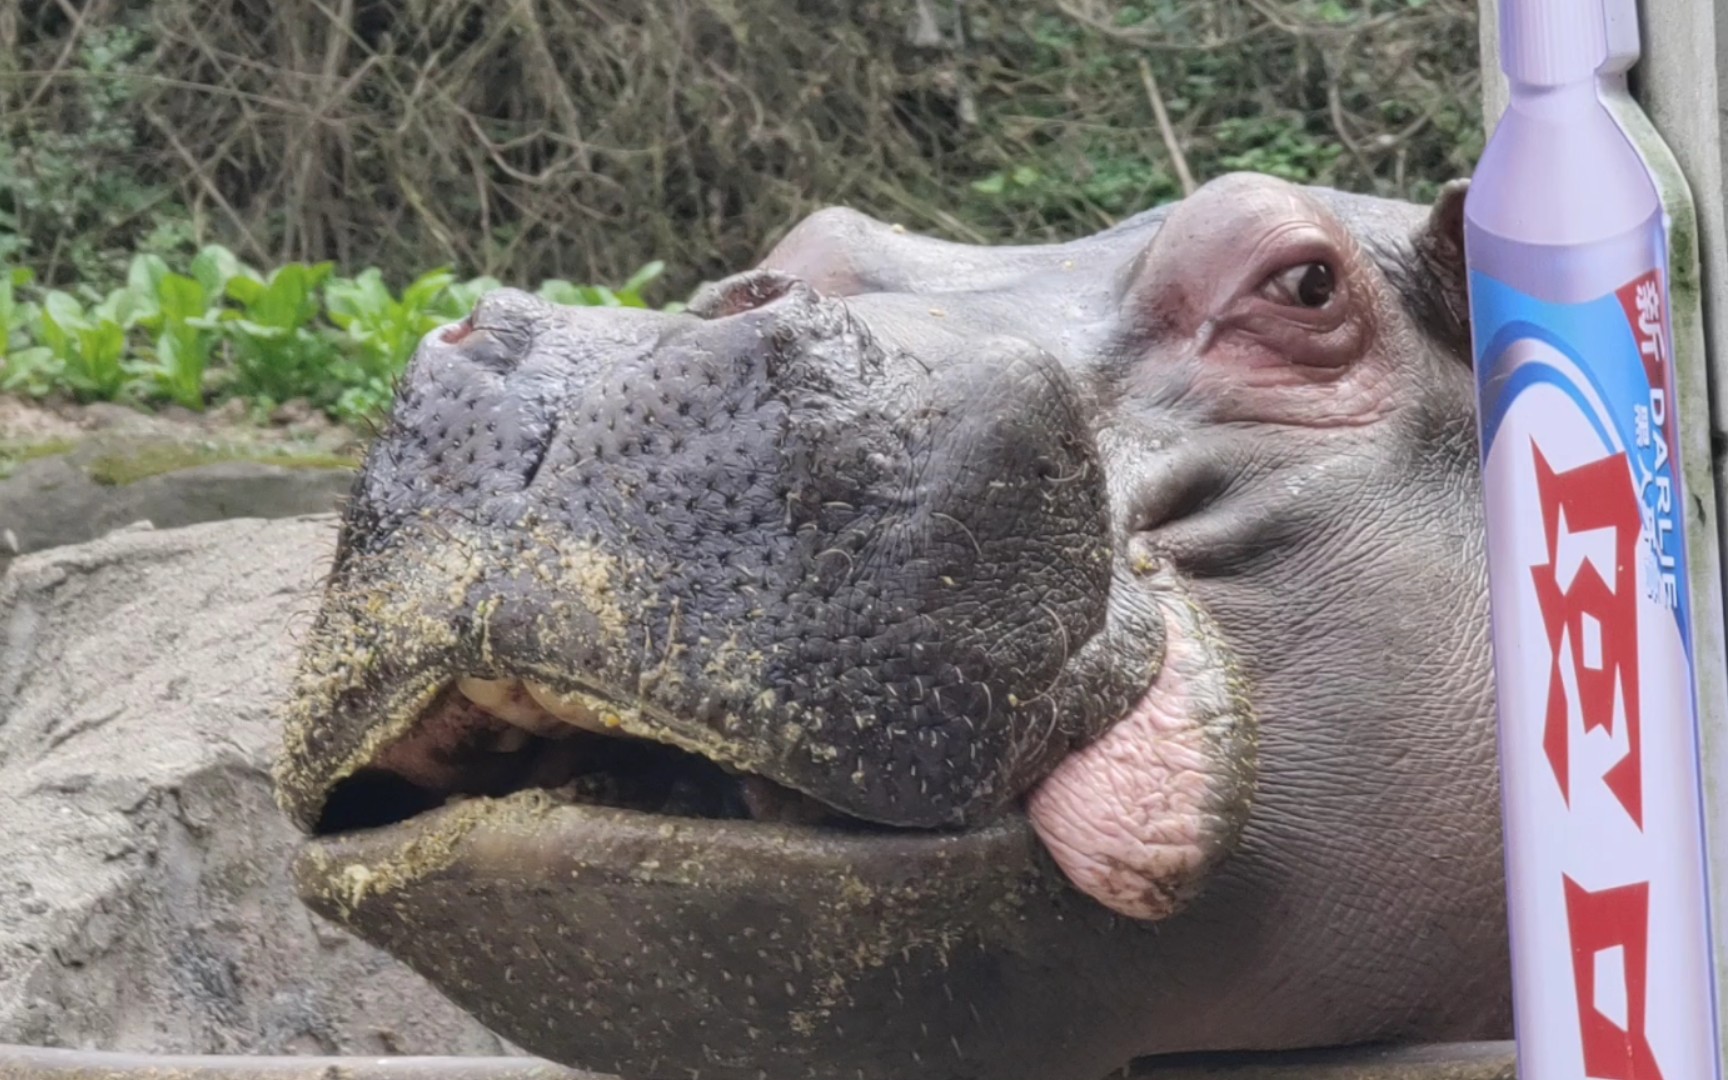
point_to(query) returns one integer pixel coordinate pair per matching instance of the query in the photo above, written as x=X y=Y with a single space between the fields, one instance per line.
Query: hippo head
x=922 y=660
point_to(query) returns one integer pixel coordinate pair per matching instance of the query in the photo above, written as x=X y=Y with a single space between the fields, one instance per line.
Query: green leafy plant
x=1278 y=148
x=278 y=350
x=381 y=333
x=627 y=295
x=382 y=329
x=24 y=365
x=64 y=196
x=183 y=321
x=221 y=329
x=459 y=299
x=87 y=345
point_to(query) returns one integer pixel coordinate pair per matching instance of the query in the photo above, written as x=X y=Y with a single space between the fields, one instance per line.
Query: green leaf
x=181 y=298
x=101 y=345
x=54 y=335
x=214 y=267
x=247 y=290
x=146 y=273
x=360 y=300
x=125 y=307
x=288 y=299
x=559 y=291
x=419 y=295
x=640 y=279
x=64 y=309
x=260 y=331
x=34 y=371
x=461 y=297
x=179 y=368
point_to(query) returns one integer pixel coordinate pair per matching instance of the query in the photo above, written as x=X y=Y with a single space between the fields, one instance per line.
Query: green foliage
x=383 y=331
x=276 y=347
x=627 y=295
x=25 y=363
x=1377 y=96
x=76 y=221
x=87 y=345
x=1262 y=144
x=180 y=326
x=222 y=329
x=407 y=136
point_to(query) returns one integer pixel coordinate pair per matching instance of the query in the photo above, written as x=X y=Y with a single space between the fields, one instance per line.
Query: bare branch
x=1177 y=159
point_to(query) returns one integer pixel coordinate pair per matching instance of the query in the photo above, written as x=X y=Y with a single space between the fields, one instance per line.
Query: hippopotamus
x=923 y=660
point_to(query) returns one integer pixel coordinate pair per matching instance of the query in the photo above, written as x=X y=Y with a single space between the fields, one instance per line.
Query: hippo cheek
x=1140 y=818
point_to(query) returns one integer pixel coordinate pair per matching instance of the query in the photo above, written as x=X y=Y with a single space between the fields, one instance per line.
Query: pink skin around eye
x=1246 y=355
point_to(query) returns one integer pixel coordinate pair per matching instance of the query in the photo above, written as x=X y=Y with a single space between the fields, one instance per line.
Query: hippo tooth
x=508 y=700
x=577 y=710
x=510 y=740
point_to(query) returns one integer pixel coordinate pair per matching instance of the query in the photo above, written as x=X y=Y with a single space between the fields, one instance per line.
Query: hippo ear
x=1439 y=246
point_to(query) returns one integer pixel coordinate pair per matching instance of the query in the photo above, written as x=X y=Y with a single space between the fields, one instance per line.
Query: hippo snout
x=878 y=580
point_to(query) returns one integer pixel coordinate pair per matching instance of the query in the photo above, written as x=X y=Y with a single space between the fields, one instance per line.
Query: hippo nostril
x=501 y=330
x=743 y=292
x=455 y=335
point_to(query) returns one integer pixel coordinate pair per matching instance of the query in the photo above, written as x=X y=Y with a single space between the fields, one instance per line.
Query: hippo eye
x=1309 y=285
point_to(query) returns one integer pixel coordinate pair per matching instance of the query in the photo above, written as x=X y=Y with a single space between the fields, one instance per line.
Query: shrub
x=567 y=141
x=222 y=329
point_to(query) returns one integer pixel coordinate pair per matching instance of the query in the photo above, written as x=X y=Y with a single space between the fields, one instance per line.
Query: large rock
x=144 y=903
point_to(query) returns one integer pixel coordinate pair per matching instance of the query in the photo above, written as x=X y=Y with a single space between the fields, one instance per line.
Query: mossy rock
x=14 y=454
x=61 y=491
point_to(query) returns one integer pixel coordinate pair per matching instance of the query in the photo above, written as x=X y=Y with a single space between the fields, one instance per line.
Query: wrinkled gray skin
x=905 y=526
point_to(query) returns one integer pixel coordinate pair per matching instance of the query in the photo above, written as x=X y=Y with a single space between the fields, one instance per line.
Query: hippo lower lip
x=653 y=839
x=624 y=877
x=839 y=924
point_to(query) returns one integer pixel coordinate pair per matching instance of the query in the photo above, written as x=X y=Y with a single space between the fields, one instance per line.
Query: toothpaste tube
x=1596 y=614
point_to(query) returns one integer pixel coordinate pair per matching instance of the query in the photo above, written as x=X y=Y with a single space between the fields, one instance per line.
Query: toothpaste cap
x=1621 y=19
x=1552 y=42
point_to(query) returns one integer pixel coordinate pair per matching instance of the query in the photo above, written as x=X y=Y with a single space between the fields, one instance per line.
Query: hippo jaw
x=716 y=737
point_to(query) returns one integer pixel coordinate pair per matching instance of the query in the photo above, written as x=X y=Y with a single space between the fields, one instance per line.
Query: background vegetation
x=546 y=140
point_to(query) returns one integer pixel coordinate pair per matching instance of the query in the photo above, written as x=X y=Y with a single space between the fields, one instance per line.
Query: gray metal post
x=1682 y=84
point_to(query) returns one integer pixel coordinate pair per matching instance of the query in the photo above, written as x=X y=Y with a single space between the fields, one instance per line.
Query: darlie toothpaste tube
x=1597 y=633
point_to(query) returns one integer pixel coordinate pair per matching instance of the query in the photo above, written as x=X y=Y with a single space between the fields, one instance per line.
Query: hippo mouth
x=490 y=739
x=575 y=867
x=469 y=746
